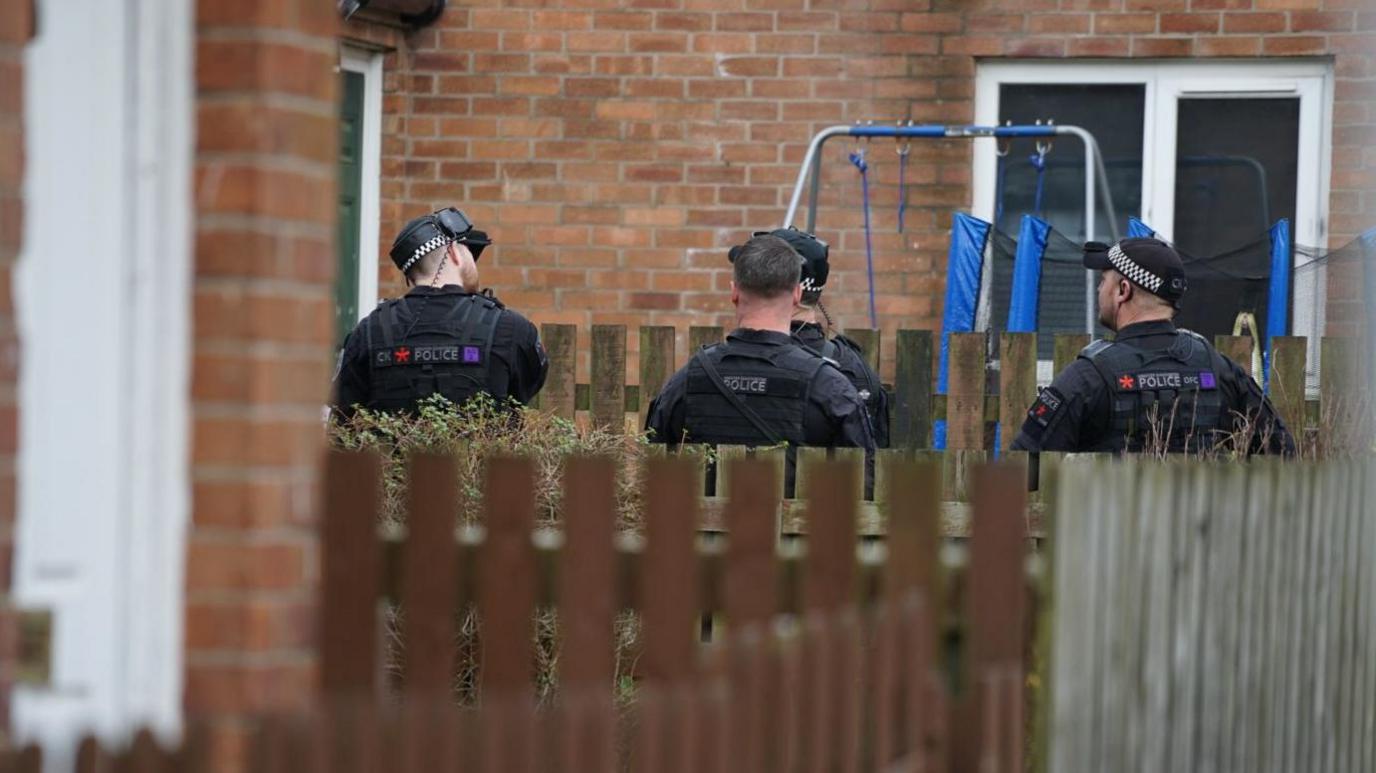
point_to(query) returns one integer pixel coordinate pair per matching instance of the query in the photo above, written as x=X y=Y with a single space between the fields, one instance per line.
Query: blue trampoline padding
x=1027 y=274
x=1137 y=229
x=1278 y=297
x=965 y=261
x=939 y=434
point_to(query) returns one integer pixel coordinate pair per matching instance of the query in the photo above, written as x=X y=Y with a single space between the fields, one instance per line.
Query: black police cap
x=812 y=250
x=1149 y=263
x=428 y=232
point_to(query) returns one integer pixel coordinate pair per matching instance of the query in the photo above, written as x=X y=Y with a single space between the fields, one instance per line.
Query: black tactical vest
x=773 y=381
x=1160 y=399
x=449 y=354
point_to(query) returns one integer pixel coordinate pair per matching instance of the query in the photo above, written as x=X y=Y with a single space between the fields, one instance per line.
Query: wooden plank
x=831 y=717
x=609 y=376
x=668 y=585
x=704 y=335
x=1017 y=382
x=1236 y=348
x=965 y=392
x=809 y=458
x=350 y=573
x=1344 y=400
x=430 y=575
x=561 y=383
x=506 y=602
x=869 y=342
x=996 y=606
x=751 y=601
x=587 y=606
x=912 y=403
x=656 y=363
x=146 y=756
x=1286 y=386
x=1067 y=348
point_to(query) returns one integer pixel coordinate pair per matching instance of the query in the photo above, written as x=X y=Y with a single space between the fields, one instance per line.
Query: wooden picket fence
x=1215 y=617
x=974 y=401
x=829 y=651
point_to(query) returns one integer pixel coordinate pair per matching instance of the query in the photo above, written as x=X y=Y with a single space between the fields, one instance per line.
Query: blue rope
x=1038 y=163
x=902 y=188
x=857 y=157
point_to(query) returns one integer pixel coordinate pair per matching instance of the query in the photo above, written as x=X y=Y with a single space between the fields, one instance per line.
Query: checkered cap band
x=423 y=250
x=810 y=284
x=1135 y=273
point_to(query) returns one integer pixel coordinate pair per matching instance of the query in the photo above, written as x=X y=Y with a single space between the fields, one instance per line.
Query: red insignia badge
x=1126 y=382
x=402 y=354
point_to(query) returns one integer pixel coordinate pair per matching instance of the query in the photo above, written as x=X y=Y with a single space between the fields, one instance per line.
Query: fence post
x=608 y=404
x=561 y=384
x=868 y=339
x=1067 y=348
x=587 y=606
x=656 y=364
x=429 y=594
x=1236 y=348
x=1017 y=382
x=965 y=393
x=700 y=336
x=912 y=414
x=506 y=601
x=350 y=568
x=1288 y=357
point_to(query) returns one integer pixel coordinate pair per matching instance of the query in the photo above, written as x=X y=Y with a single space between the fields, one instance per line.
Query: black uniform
x=798 y=396
x=438 y=340
x=1154 y=386
x=850 y=359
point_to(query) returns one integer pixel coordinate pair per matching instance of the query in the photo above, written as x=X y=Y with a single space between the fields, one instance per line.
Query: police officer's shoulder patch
x=1049 y=402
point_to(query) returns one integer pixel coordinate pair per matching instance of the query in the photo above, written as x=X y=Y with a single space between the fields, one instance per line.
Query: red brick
x=1162 y=46
x=1253 y=22
x=1036 y=47
x=1306 y=21
x=654 y=301
x=1294 y=46
x=262 y=67
x=1189 y=22
x=744 y=22
x=1063 y=23
x=1124 y=23
x=1232 y=45
x=16 y=22
x=685 y=22
x=624 y=20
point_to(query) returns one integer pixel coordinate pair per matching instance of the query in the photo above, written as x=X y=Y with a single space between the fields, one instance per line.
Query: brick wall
x=267 y=132
x=16 y=26
x=615 y=149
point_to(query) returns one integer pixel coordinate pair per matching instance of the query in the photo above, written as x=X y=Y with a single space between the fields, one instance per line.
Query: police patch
x=1143 y=382
x=1049 y=401
x=428 y=355
x=754 y=385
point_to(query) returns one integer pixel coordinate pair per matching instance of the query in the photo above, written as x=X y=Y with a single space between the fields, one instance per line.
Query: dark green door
x=350 y=190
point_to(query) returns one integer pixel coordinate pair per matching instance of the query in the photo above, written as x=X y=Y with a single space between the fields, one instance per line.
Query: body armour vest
x=1160 y=399
x=774 y=381
x=410 y=359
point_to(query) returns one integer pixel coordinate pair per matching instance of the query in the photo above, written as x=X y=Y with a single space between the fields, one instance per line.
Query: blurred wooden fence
x=979 y=395
x=830 y=652
x=1215 y=617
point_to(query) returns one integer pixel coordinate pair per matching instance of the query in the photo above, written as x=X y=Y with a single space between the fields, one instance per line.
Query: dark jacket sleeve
x=531 y=364
x=350 y=385
x=664 y=419
x=1255 y=415
x=837 y=398
x=1057 y=417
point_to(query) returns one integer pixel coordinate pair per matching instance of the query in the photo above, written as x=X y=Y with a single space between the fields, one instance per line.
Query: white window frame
x=369 y=63
x=1165 y=83
x=103 y=464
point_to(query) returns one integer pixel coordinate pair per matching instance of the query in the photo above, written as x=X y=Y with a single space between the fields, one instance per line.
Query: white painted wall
x=102 y=293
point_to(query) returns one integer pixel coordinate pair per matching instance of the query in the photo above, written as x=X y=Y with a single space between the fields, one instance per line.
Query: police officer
x=1155 y=386
x=760 y=387
x=809 y=318
x=442 y=337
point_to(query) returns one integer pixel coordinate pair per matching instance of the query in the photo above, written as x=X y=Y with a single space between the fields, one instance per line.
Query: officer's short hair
x=425 y=268
x=767 y=266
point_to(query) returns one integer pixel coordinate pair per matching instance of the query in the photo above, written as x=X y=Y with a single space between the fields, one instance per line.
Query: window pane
x=1236 y=167
x=1113 y=113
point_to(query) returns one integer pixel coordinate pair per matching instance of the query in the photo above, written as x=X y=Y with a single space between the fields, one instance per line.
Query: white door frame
x=1165 y=83
x=102 y=293
x=369 y=63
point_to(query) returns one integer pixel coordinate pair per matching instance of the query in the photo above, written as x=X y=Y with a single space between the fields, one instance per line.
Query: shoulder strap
x=1096 y=348
x=754 y=418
